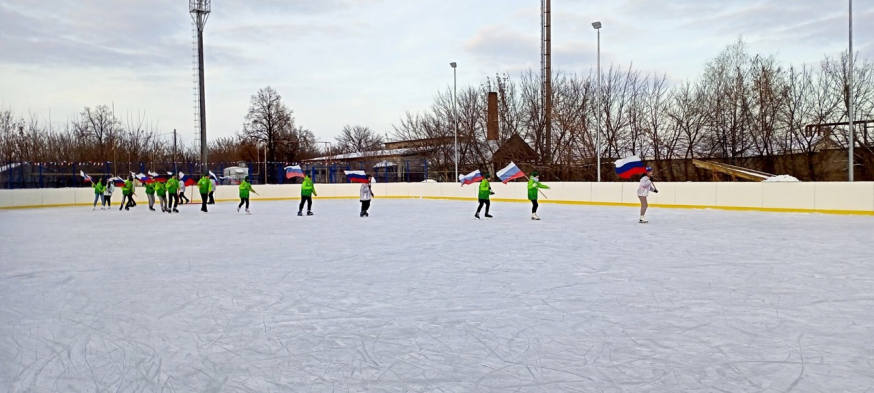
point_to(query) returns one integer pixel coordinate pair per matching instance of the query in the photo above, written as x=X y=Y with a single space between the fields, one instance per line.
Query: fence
x=20 y=175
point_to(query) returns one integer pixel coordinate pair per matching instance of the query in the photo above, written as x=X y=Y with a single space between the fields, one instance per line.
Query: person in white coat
x=643 y=192
x=366 y=194
x=107 y=192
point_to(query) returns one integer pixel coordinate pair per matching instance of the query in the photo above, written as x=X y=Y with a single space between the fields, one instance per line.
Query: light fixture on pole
x=850 y=97
x=455 y=112
x=597 y=26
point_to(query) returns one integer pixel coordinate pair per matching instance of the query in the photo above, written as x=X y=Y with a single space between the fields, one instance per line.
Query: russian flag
x=117 y=181
x=630 y=166
x=186 y=180
x=293 y=171
x=144 y=179
x=471 y=178
x=213 y=176
x=159 y=178
x=510 y=172
x=86 y=177
x=356 y=176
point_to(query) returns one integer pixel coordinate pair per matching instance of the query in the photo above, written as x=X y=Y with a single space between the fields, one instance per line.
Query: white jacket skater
x=366 y=195
x=643 y=192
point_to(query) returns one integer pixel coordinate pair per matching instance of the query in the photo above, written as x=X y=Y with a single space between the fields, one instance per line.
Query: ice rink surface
x=422 y=297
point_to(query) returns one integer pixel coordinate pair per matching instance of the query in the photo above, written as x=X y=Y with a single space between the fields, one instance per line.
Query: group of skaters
x=170 y=193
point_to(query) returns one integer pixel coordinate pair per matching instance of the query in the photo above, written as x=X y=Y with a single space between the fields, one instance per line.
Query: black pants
x=174 y=201
x=309 y=201
x=534 y=206
x=482 y=202
x=182 y=197
x=364 y=206
x=127 y=201
x=242 y=201
x=107 y=199
x=211 y=199
x=203 y=198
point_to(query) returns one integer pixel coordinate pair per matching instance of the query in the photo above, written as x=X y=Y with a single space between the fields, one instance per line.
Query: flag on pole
x=293 y=171
x=159 y=178
x=356 y=176
x=470 y=178
x=186 y=180
x=630 y=166
x=144 y=179
x=213 y=176
x=510 y=172
x=86 y=177
x=117 y=181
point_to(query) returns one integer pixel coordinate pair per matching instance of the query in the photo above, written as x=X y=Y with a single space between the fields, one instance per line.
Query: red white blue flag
x=293 y=171
x=86 y=177
x=630 y=166
x=510 y=172
x=470 y=178
x=356 y=176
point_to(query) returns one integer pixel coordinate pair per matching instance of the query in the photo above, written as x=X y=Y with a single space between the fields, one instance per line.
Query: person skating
x=534 y=187
x=98 y=193
x=643 y=192
x=211 y=191
x=173 y=193
x=245 y=187
x=107 y=192
x=307 y=191
x=127 y=193
x=366 y=195
x=203 y=185
x=182 y=198
x=485 y=191
x=150 y=195
x=161 y=191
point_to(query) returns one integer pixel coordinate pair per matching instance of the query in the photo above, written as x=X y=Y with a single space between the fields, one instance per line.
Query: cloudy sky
x=367 y=62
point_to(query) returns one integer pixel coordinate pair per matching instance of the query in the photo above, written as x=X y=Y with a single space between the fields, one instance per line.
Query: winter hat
x=247 y=178
x=534 y=173
x=649 y=169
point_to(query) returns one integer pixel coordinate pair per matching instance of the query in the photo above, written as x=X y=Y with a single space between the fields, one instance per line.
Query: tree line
x=744 y=109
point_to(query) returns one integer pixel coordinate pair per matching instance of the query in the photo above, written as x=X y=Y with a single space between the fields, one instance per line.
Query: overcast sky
x=367 y=62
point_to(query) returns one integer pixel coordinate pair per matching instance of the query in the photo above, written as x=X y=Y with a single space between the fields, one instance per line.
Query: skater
x=107 y=192
x=182 y=198
x=203 y=185
x=245 y=187
x=485 y=190
x=127 y=194
x=98 y=193
x=643 y=192
x=161 y=190
x=150 y=195
x=366 y=196
x=307 y=191
x=211 y=190
x=173 y=193
x=534 y=187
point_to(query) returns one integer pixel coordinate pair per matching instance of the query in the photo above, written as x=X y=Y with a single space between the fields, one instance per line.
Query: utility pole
x=199 y=10
x=174 y=151
x=850 y=97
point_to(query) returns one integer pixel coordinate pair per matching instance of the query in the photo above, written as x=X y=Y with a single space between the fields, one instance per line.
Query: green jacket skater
x=203 y=184
x=533 y=186
x=307 y=188
x=485 y=189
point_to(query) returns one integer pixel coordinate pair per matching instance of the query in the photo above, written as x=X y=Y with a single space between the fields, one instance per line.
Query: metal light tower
x=455 y=113
x=850 y=95
x=199 y=10
x=597 y=26
x=546 y=73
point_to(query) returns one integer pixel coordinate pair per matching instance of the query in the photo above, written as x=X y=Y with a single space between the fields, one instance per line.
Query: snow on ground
x=422 y=297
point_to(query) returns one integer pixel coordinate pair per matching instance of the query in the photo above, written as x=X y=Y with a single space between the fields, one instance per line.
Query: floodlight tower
x=546 y=74
x=199 y=10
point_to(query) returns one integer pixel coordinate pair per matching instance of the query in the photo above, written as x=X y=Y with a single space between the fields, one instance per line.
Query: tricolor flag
x=470 y=178
x=510 y=172
x=144 y=179
x=293 y=171
x=630 y=166
x=159 y=178
x=356 y=176
x=213 y=176
x=86 y=177
x=230 y=179
x=117 y=181
x=186 y=180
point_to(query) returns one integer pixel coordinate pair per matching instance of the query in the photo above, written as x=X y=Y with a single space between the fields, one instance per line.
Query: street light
x=455 y=112
x=597 y=26
x=850 y=93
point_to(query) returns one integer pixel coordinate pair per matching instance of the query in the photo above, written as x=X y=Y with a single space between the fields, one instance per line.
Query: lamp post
x=850 y=96
x=597 y=26
x=455 y=112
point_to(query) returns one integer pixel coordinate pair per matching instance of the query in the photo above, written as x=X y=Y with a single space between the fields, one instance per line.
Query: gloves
x=491 y=193
x=655 y=191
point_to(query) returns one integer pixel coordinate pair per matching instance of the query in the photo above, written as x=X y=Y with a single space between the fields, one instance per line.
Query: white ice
x=422 y=297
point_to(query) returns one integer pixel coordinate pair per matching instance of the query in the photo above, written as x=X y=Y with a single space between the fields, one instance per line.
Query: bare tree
x=268 y=121
x=358 y=139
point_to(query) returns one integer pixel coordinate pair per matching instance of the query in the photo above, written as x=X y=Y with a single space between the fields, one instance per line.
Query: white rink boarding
x=420 y=297
x=825 y=197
